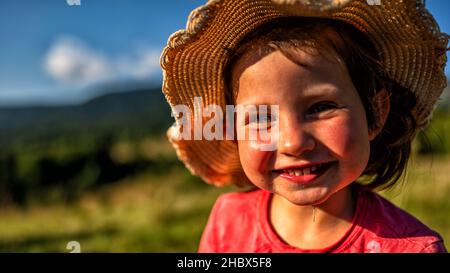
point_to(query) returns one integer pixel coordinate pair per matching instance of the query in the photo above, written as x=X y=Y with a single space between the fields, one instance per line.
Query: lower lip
x=305 y=179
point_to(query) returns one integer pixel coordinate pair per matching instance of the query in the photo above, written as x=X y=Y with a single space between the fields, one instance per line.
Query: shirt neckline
x=279 y=245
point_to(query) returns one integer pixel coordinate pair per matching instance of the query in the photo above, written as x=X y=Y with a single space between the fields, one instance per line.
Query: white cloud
x=71 y=61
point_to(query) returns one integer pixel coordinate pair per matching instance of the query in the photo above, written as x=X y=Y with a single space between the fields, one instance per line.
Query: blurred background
x=83 y=153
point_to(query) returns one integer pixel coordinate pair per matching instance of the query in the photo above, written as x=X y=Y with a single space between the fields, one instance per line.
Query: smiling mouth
x=306 y=174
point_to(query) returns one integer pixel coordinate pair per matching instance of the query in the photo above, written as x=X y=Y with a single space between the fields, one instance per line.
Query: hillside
x=135 y=111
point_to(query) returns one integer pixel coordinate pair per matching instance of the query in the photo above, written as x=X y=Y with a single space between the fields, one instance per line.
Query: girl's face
x=322 y=144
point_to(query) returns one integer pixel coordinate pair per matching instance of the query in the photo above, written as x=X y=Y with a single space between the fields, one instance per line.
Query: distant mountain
x=142 y=110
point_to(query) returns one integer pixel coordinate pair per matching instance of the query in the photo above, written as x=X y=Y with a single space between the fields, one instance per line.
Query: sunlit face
x=321 y=120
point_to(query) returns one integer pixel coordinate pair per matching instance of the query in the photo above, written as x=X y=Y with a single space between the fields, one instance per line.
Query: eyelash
x=258 y=116
x=329 y=104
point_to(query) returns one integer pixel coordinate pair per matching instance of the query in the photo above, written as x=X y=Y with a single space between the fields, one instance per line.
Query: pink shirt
x=239 y=223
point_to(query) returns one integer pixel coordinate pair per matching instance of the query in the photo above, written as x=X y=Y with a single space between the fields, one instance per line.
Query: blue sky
x=52 y=52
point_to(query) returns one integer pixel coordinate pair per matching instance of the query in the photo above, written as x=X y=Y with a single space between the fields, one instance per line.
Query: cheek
x=348 y=139
x=256 y=163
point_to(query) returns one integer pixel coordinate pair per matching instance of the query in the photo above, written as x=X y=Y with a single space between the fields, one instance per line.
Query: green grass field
x=167 y=213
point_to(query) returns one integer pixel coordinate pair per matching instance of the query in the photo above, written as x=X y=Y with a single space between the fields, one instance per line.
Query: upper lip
x=301 y=166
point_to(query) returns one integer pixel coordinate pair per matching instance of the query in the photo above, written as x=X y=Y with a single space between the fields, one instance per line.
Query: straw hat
x=411 y=45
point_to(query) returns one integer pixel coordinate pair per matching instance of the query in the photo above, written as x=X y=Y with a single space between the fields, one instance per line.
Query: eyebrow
x=319 y=92
x=310 y=93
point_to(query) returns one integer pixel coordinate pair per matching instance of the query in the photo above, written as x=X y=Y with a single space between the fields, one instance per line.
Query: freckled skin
x=340 y=134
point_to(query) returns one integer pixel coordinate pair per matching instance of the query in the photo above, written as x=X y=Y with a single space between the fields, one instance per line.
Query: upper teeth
x=303 y=171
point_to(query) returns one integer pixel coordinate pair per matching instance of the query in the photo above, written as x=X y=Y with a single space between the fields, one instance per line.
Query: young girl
x=353 y=83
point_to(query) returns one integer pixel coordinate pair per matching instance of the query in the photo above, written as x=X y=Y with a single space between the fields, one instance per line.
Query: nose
x=294 y=138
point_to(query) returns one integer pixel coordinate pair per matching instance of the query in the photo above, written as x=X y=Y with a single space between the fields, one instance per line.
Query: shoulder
x=396 y=229
x=232 y=225
x=231 y=205
x=238 y=199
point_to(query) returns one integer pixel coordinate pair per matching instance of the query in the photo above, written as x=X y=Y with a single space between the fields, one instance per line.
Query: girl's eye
x=322 y=107
x=260 y=118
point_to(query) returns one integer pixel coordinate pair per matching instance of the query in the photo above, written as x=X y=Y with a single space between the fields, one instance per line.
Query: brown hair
x=391 y=148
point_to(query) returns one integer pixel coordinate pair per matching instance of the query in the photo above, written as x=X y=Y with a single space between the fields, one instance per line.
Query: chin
x=307 y=202
x=307 y=197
